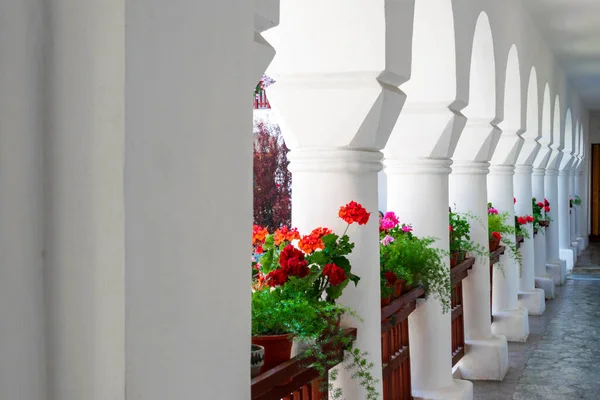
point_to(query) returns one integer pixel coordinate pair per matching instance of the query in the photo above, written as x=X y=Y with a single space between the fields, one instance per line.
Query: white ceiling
x=572 y=30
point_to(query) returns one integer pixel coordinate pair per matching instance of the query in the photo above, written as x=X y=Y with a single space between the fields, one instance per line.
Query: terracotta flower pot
x=278 y=349
x=257 y=359
x=399 y=287
x=494 y=244
x=385 y=301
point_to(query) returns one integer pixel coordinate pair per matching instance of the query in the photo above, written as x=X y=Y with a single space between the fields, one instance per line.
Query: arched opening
x=474 y=143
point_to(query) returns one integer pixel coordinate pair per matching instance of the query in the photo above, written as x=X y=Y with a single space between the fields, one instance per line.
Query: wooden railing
x=494 y=258
x=520 y=239
x=395 y=345
x=261 y=102
x=293 y=380
x=457 y=274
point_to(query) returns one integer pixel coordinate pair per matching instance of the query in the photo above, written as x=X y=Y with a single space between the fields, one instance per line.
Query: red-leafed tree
x=272 y=180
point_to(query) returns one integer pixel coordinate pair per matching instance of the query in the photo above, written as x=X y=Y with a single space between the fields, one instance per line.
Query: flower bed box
x=292 y=378
x=520 y=239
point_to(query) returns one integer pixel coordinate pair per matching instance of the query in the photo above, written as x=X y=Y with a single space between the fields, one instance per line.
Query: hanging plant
x=459 y=229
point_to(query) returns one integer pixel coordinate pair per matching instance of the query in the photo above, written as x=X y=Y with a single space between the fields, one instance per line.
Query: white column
x=22 y=332
x=581 y=222
x=575 y=211
x=340 y=176
x=510 y=319
x=418 y=193
x=557 y=268
x=542 y=279
x=487 y=355
x=188 y=198
x=564 y=225
x=85 y=223
x=530 y=298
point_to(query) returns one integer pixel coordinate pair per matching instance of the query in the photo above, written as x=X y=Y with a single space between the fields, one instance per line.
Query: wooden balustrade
x=457 y=274
x=494 y=258
x=520 y=239
x=395 y=345
x=293 y=380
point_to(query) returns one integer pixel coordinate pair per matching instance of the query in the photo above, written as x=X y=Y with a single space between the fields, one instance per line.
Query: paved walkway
x=561 y=359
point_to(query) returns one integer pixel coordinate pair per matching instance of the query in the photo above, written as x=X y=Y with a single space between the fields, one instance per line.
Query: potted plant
x=520 y=222
x=295 y=291
x=499 y=228
x=414 y=260
x=460 y=237
x=540 y=220
x=395 y=276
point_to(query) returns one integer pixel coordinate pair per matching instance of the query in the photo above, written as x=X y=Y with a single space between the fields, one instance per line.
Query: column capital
x=523 y=169
x=539 y=172
x=502 y=170
x=418 y=166
x=335 y=160
x=551 y=172
x=470 y=168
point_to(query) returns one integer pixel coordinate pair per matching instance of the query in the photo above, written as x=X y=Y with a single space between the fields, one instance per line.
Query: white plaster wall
x=188 y=198
x=22 y=358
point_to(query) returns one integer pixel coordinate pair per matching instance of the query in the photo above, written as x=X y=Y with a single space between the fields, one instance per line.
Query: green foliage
x=499 y=222
x=577 y=201
x=460 y=234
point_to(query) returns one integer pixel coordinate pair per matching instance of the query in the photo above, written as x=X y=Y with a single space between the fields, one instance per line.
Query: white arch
x=567 y=137
x=556 y=134
x=482 y=81
x=512 y=93
x=533 y=117
x=546 y=134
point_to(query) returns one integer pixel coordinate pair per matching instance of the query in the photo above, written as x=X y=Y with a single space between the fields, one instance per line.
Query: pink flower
x=387 y=224
x=492 y=211
x=387 y=240
x=407 y=228
x=391 y=216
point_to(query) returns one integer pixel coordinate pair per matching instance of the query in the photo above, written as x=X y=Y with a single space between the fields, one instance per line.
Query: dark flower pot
x=494 y=244
x=257 y=359
x=278 y=349
x=386 y=301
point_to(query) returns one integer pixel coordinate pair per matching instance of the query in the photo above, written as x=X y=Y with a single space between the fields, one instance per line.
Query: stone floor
x=561 y=359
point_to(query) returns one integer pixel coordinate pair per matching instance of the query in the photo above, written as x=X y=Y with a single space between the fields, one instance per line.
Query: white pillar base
x=485 y=360
x=513 y=324
x=546 y=283
x=534 y=301
x=460 y=390
x=567 y=255
x=581 y=243
x=555 y=270
x=575 y=249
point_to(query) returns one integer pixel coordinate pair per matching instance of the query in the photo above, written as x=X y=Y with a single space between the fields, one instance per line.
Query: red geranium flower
x=529 y=218
x=521 y=221
x=514 y=200
x=540 y=204
x=497 y=235
x=450 y=228
x=354 y=212
x=276 y=278
x=546 y=203
x=390 y=277
x=292 y=262
x=547 y=209
x=335 y=274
